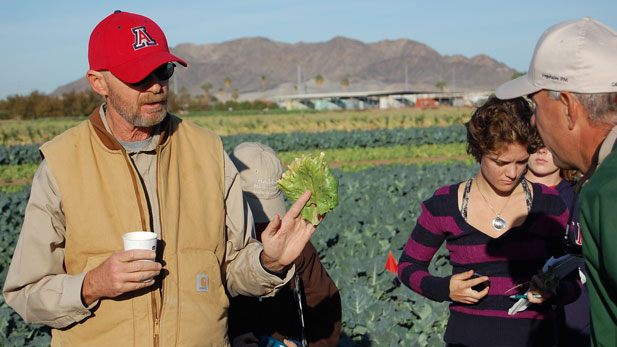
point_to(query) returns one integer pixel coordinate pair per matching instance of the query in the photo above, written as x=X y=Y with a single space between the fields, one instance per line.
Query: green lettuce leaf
x=310 y=173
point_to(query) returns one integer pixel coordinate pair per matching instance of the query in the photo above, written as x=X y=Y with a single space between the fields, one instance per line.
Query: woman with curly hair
x=499 y=230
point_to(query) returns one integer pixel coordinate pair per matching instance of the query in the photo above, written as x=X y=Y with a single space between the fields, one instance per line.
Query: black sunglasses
x=162 y=73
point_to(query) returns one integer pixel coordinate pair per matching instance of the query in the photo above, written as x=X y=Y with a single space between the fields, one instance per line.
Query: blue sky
x=45 y=43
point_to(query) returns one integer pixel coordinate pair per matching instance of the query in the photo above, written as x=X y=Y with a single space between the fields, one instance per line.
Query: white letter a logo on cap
x=142 y=39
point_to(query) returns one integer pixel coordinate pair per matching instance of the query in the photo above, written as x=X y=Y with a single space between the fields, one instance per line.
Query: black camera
x=480 y=286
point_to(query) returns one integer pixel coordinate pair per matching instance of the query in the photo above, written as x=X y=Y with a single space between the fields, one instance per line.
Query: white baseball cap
x=578 y=56
x=260 y=169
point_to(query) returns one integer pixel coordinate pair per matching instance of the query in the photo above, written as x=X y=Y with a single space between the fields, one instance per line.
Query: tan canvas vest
x=102 y=198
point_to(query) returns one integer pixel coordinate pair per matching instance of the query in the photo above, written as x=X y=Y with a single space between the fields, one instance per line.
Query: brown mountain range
x=367 y=67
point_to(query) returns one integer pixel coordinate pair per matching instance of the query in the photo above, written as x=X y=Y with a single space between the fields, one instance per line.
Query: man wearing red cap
x=572 y=80
x=132 y=166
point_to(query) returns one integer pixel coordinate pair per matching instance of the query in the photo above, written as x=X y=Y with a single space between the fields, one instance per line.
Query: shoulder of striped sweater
x=543 y=189
x=441 y=199
x=565 y=185
x=446 y=190
x=549 y=199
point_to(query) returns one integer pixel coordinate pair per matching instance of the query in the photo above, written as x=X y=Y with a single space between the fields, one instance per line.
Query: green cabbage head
x=310 y=173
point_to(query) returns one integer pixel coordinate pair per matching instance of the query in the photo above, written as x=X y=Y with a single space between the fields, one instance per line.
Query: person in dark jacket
x=573 y=320
x=278 y=317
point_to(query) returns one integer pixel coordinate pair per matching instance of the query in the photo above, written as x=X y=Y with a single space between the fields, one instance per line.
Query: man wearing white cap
x=572 y=80
x=132 y=166
x=249 y=318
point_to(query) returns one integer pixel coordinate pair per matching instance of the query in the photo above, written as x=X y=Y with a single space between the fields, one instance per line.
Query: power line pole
x=405 y=77
x=300 y=77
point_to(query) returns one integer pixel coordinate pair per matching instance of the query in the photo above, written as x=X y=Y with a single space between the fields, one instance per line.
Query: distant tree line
x=81 y=104
x=39 y=105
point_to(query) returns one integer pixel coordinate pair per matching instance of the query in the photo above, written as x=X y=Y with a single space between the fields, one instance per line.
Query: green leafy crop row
x=285 y=142
x=381 y=153
x=377 y=210
x=9 y=173
x=262 y=122
x=339 y=156
x=19 y=154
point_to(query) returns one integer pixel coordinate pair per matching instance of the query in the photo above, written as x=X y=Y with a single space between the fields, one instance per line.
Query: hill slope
x=367 y=66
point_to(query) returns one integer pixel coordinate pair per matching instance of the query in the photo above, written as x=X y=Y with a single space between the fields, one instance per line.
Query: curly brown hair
x=499 y=123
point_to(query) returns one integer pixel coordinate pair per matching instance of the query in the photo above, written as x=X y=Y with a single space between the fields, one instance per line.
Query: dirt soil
x=21 y=181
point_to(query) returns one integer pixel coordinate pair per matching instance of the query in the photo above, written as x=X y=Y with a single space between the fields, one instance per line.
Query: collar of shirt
x=146 y=145
x=607 y=145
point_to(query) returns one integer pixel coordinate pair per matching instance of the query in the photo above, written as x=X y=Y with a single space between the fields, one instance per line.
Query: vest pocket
x=113 y=319
x=203 y=303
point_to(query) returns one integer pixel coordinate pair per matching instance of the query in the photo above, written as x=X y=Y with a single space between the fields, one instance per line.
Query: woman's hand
x=538 y=287
x=289 y=343
x=460 y=288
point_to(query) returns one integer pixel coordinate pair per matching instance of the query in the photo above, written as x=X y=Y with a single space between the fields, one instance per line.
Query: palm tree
x=441 y=84
x=206 y=86
x=319 y=80
x=262 y=79
x=185 y=98
x=227 y=83
x=345 y=83
x=235 y=94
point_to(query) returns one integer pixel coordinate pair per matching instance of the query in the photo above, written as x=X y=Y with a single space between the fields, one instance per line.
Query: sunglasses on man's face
x=162 y=73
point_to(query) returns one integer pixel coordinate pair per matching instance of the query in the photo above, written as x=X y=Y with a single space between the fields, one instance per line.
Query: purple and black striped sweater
x=509 y=260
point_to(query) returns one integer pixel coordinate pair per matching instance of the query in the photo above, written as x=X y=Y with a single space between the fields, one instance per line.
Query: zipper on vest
x=159 y=311
x=156 y=332
x=156 y=321
x=136 y=183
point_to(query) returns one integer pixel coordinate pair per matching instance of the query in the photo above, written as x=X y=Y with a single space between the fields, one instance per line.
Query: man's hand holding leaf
x=284 y=239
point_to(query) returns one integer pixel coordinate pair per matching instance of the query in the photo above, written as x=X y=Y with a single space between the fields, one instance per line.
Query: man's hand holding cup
x=124 y=271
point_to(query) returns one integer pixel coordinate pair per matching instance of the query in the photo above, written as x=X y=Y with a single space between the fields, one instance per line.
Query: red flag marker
x=391 y=264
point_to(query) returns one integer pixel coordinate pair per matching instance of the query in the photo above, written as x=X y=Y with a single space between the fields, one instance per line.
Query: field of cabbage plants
x=387 y=163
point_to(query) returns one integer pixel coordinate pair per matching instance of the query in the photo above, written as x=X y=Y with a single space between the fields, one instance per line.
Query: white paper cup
x=140 y=240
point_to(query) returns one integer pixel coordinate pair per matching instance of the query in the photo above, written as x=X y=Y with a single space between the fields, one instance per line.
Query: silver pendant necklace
x=499 y=223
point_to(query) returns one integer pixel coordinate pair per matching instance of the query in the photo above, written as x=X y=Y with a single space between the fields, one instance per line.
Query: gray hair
x=601 y=107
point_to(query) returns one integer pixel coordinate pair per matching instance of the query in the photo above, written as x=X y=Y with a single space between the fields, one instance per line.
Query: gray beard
x=132 y=116
x=140 y=122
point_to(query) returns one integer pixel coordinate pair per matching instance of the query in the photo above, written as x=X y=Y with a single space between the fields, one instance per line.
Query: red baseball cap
x=129 y=45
